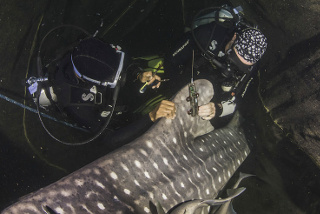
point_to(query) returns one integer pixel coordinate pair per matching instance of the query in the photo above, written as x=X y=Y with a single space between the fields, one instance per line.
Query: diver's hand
x=148 y=76
x=165 y=109
x=207 y=111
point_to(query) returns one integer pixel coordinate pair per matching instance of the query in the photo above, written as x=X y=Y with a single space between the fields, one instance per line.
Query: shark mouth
x=173 y=162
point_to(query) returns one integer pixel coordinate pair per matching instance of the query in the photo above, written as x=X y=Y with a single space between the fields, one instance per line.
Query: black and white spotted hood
x=251 y=44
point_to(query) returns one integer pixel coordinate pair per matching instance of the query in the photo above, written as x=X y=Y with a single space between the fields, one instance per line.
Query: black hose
x=102 y=129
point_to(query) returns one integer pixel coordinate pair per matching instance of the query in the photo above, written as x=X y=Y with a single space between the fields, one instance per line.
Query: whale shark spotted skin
x=173 y=162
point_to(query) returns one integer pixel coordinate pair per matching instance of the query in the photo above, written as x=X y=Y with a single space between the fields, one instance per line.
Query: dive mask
x=234 y=64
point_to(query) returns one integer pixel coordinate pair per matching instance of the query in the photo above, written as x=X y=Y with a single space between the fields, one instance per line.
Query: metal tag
x=33 y=88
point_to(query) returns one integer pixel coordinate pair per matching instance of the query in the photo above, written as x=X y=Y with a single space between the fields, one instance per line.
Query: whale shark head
x=173 y=162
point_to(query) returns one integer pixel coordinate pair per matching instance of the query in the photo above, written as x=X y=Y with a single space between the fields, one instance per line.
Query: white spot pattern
x=114 y=175
x=124 y=167
x=155 y=165
x=174 y=140
x=101 y=206
x=185 y=134
x=99 y=184
x=165 y=161
x=59 y=210
x=164 y=196
x=137 y=163
x=66 y=193
x=149 y=144
x=208 y=191
x=79 y=182
x=144 y=152
x=147 y=174
x=96 y=171
x=136 y=182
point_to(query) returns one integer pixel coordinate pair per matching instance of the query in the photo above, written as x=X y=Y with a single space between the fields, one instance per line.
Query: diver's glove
x=228 y=107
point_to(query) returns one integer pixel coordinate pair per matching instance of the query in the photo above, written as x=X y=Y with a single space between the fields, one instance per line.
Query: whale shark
x=174 y=161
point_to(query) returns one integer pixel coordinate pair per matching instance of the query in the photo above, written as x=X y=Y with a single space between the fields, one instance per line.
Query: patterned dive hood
x=251 y=44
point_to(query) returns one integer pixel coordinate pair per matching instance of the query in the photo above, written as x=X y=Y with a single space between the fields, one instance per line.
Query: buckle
x=98 y=98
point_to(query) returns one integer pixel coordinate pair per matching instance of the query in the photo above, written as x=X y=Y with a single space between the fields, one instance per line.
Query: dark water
x=287 y=181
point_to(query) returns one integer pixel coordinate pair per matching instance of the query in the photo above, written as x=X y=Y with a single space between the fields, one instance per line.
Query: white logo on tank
x=86 y=97
x=213 y=45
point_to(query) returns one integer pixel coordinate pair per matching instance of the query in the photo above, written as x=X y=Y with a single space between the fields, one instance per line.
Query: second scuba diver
x=84 y=87
x=226 y=52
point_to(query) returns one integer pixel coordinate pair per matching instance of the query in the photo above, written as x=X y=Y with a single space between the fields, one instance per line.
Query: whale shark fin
x=227 y=208
x=241 y=177
x=233 y=193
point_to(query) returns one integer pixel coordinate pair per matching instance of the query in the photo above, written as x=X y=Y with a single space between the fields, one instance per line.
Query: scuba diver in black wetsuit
x=84 y=87
x=226 y=52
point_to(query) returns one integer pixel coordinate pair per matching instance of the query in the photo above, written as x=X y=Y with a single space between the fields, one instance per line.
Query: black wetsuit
x=212 y=37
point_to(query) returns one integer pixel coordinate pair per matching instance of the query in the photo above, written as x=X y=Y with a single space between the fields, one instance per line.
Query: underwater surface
x=287 y=181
